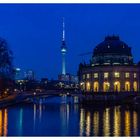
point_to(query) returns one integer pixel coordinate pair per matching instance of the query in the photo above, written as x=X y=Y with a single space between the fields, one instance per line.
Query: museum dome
x=112 y=45
x=112 y=51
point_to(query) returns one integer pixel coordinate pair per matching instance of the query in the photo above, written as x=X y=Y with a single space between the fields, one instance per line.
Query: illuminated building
x=17 y=73
x=29 y=75
x=111 y=68
x=63 y=51
x=68 y=78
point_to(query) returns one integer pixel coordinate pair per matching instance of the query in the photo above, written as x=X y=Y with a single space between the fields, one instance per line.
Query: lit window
x=82 y=84
x=83 y=76
x=88 y=86
x=96 y=86
x=127 y=75
x=95 y=75
x=135 y=75
x=106 y=75
x=127 y=86
x=117 y=86
x=88 y=76
x=117 y=74
x=106 y=86
x=135 y=86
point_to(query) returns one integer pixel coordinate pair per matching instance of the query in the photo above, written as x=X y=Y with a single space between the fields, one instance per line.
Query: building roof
x=112 y=45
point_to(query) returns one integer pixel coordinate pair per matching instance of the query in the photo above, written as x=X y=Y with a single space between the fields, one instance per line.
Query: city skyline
x=69 y=70
x=34 y=32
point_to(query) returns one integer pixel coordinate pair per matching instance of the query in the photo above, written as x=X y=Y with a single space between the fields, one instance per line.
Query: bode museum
x=111 y=68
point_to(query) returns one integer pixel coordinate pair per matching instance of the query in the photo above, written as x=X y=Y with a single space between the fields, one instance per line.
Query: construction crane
x=87 y=53
x=84 y=54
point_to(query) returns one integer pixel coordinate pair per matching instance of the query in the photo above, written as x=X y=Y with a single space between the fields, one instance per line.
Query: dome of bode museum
x=111 y=68
x=112 y=51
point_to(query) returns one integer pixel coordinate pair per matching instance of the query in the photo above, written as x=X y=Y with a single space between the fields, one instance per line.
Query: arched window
x=82 y=84
x=88 y=86
x=117 y=86
x=95 y=86
x=135 y=86
x=127 y=86
x=106 y=86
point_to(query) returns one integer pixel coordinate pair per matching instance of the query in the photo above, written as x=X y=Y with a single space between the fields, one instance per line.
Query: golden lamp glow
x=96 y=86
x=117 y=86
x=106 y=86
x=88 y=86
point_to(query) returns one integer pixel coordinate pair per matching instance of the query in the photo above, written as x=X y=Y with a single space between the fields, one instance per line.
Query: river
x=56 y=118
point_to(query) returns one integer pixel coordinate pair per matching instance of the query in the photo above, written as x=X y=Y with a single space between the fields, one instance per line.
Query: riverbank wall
x=110 y=98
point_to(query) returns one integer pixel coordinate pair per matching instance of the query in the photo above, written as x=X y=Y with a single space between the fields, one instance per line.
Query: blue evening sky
x=34 y=32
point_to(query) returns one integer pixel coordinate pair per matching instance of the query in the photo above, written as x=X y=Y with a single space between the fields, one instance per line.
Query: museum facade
x=111 y=68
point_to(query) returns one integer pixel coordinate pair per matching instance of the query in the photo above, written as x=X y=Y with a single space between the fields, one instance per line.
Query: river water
x=56 y=118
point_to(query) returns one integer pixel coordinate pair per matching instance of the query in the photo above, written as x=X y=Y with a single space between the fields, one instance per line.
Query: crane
x=87 y=53
x=84 y=54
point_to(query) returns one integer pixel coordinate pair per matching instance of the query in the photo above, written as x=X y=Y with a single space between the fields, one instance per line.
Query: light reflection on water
x=20 y=121
x=3 y=122
x=117 y=121
x=127 y=123
x=88 y=124
x=96 y=123
x=68 y=120
x=102 y=125
x=106 y=122
x=64 y=115
x=135 y=123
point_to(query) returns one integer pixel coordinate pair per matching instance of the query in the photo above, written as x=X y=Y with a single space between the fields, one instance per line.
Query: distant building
x=111 y=69
x=68 y=78
x=17 y=73
x=44 y=80
x=29 y=75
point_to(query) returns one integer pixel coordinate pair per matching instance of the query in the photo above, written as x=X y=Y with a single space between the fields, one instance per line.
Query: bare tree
x=6 y=66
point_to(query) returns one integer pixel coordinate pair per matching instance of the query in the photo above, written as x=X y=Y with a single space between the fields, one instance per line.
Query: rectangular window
x=88 y=76
x=135 y=75
x=83 y=76
x=117 y=74
x=127 y=75
x=106 y=74
x=95 y=75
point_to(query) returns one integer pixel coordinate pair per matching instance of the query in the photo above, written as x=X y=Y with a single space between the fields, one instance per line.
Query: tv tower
x=63 y=50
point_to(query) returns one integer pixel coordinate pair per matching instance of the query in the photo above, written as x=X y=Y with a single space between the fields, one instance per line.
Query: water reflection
x=108 y=122
x=64 y=115
x=68 y=120
x=40 y=112
x=88 y=124
x=127 y=123
x=82 y=119
x=135 y=121
x=0 y=122
x=34 y=114
x=20 y=121
x=3 y=122
x=96 y=123
x=117 y=121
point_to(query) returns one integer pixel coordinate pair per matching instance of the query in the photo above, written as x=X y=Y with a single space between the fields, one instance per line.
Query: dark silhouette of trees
x=6 y=66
